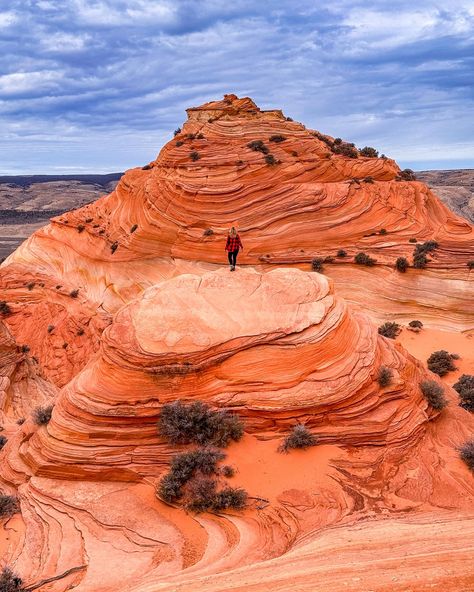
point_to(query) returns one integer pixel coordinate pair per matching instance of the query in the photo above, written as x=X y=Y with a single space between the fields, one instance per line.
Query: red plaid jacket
x=233 y=243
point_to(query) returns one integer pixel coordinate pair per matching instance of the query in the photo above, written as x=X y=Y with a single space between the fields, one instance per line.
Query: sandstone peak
x=231 y=106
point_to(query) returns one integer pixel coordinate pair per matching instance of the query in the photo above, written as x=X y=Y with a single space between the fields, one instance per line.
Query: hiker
x=232 y=247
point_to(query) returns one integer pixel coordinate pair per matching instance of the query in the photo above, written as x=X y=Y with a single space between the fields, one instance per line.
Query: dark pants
x=232 y=255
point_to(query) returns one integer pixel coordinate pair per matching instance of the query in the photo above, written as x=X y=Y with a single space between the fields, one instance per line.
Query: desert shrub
x=270 y=159
x=177 y=131
x=368 y=179
x=419 y=254
x=74 y=293
x=89 y=220
x=228 y=471
x=383 y=231
x=196 y=422
x=5 y=309
x=324 y=139
x=364 y=259
x=341 y=253
x=133 y=228
x=441 y=362
x=146 y=167
x=3 y=441
x=208 y=232
x=294 y=153
x=50 y=328
x=80 y=332
x=42 y=415
x=20 y=421
x=114 y=246
x=10 y=582
x=200 y=494
x=416 y=324
x=200 y=136
x=369 y=151
x=8 y=505
x=401 y=264
x=289 y=119
x=434 y=394
x=466 y=452
x=412 y=240
x=194 y=155
x=345 y=149
x=317 y=264
x=25 y=349
x=465 y=387
x=80 y=228
x=191 y=136
x=184 y=466
x=277 y=138
x=389 y=329
x=337 y=141
x=234 y=498
x=420 y=260
x=406 y=175
x=470 y=264
x=300 y=437
x=328 y=259
x=179 y=143
x=239 y=163
x=258 y=146
x=30 y=286
x=384 y=377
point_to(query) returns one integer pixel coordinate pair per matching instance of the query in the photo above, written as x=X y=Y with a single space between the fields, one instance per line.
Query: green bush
x=434 y=394
x=300 y=437
x=197 y=423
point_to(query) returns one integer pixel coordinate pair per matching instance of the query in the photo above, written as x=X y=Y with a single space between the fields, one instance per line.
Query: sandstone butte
x=119 y=307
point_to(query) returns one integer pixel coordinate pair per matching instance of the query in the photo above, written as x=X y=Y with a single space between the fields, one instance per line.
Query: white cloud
x=7 y=19
x=19 y=82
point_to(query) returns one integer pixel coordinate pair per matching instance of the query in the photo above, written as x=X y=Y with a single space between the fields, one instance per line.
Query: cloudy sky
x=99 y=85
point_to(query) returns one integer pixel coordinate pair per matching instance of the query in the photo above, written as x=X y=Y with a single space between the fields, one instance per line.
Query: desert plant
x=389 y=329
x=114 y=246
x=406 y=175
x=9 y=505
x=80 y=332
x=234 y=498
x=420 y=260
x=227 y=471
x=300 y=437
x=3 y=441
x=80 y=228
x=200 y=494
x=384 y=377
x=74 y=293
x=25 y=349
x=470 y=264
x=270 y=159
x=412 y=240
x=368 y=179
x=179 y=143
x=441 y=362
x=30 y=286
x=434 y=394
x=341 y=253
x=294 y=153
x=345 y=149
x=401 y=264
x=196 y=422
x=200 y=136
x=146 y=167
x=466 y=452
x=5 y=309
x=277 y=138
x=10 y=582
x=89 y=220
x=258 y=146
x=191 y=136
x=369 y=152
x=177 y=131
x=133 y=228
x=208 y=232
x=364 y=259
x=383 y=231
x=20 y=421
x=337 y=141
x=194 y=155
x=317 y=264
x=50 y=328
x=416 y=324
x=42 y=415
x=419 y=254
x=465 y=387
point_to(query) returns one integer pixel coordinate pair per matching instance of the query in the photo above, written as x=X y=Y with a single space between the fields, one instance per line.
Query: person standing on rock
x=232 y=247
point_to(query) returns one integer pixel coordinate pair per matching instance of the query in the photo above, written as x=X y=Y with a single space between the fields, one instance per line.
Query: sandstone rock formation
x=123 y=308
